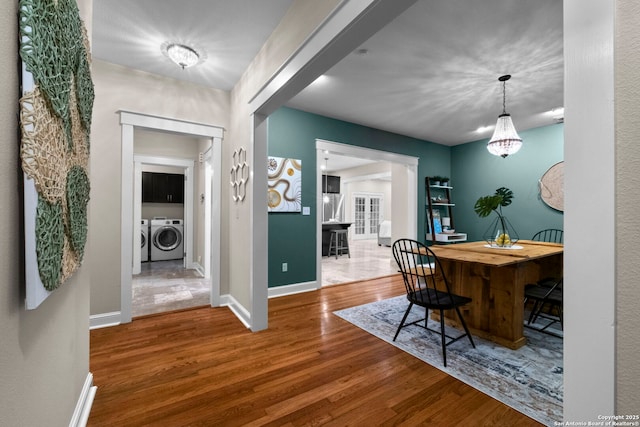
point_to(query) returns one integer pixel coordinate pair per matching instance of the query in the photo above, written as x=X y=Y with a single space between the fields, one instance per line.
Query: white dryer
x=144 y=241
x=167 y=239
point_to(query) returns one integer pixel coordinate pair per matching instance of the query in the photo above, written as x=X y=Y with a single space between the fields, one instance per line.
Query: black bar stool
x=339 y=243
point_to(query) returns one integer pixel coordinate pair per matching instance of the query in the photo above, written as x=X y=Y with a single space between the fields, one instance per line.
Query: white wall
x=403 y=188
x=354 y=180
x=119 y=88
x=590 y=257
x=627 y=95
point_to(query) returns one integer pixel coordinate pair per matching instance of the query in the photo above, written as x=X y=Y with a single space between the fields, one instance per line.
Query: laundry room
x=170 y=200
x=162 y=192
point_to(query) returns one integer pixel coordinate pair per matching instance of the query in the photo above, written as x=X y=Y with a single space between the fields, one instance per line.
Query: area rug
x=528 y=379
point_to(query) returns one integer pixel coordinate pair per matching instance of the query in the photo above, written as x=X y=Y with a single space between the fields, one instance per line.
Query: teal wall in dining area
x=292 y=134
x=476 y=173
x=473 y=171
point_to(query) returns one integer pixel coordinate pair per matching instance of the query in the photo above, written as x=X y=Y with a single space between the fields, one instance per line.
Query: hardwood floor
x=202 y=367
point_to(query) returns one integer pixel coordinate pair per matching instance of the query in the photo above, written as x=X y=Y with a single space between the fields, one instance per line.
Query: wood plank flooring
x=202 y=367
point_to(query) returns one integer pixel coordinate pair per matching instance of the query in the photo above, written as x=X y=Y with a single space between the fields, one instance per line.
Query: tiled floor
x=368 y=260
x=166 y=285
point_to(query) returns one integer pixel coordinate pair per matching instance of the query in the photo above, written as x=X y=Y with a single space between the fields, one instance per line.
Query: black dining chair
x=427 y=287
x=547 y=303
x=551 y=235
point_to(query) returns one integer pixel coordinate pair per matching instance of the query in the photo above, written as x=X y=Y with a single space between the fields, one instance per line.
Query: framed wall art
x=284 y=184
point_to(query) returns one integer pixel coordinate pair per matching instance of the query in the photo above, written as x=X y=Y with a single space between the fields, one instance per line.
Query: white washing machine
x=144 y=241
x=167 y=240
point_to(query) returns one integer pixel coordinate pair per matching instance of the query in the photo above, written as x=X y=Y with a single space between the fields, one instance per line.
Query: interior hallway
x=165 y=285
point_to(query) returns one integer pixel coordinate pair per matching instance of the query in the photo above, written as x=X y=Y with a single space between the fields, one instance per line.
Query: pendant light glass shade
x=505 y=139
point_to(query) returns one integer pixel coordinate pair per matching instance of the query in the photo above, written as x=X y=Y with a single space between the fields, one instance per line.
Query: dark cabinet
x=330 y=184
x=162 y=187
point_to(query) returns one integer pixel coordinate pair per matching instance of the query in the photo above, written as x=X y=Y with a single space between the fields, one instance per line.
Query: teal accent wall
x=473 y=171
x=477 y=173
x=292 y=133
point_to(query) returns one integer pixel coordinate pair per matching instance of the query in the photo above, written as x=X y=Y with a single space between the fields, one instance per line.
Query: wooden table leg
x=496 y=312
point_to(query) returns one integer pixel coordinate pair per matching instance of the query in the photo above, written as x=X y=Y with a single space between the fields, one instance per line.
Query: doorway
x=402 y=175
x=131 y=211
x=169 y=276
x=367 y=215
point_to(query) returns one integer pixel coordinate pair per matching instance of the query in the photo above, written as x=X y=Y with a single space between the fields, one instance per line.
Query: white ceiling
x=228 y=32
x=431 y=74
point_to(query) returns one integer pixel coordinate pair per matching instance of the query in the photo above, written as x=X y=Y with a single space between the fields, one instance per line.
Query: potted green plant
x=435 y=180
x=444 y=181
x=501 y=233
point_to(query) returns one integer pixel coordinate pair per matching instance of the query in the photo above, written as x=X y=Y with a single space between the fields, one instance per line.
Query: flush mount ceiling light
x=505 y=139
x=184 y=56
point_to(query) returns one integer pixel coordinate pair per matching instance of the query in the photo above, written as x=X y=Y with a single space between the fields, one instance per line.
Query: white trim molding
x=104 y=320
x=365 y=153
x=128 y=121
x=188 y=167
x=295 y=288
x=404 y=227
x=80 y=415
x=197 y=267
x=236 y=308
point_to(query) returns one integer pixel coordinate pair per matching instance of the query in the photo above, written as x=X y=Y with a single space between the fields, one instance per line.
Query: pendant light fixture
x=505 y=139
x=325 y=198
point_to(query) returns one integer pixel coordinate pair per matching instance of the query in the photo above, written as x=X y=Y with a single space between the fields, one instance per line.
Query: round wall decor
x=551 y=186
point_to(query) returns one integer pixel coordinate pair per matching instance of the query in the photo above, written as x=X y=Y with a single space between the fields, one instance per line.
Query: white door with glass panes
x=367 y=214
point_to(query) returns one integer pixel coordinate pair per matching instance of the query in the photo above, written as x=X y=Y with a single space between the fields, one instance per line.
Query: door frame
x=410 y=184
x=130 y=229
x=189 y=214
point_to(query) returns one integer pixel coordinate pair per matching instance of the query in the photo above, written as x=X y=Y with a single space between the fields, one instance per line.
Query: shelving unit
x=439 y=205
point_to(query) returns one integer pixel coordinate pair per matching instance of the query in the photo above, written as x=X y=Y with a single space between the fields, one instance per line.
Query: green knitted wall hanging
x=77 y=200
x=55 y=120
x=53 y=49
x=49 y=243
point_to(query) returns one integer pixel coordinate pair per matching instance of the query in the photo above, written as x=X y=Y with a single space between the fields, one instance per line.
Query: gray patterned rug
x=528 y=379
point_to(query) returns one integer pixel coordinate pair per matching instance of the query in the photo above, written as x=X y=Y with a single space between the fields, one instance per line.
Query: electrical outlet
x=285 y=267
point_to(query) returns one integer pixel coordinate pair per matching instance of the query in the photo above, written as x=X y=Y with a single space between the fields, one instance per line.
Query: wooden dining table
x=495 y=278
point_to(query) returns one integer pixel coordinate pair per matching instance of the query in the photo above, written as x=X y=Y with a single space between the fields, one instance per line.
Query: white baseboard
x=296 y=288
x=85 y=401
x=104 y=320
x=197 y=267
x=237 y=309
